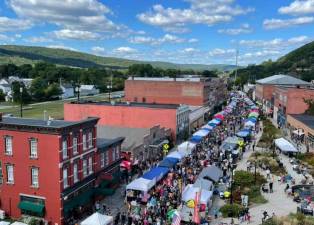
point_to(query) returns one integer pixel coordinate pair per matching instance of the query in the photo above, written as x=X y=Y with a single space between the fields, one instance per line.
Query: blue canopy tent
x=207 y=127
x=196 y=139
x=168 y=162
x=253 y=119
x=156 y=173
x=244 y=133
x=201 y=132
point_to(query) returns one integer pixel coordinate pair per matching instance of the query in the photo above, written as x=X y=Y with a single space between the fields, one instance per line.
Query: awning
x=212 y=173
x=79 y=200
x=285 y=145
x=141 y=184
x=156 y=173
x=32 y=207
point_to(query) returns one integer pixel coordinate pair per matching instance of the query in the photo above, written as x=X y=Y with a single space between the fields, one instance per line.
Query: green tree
x=53 y=91
x=310 y=109
x=2 y=95
x=37 y=89
x=26 y=98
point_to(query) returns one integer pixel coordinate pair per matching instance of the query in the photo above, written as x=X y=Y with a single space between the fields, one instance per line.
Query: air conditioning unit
x=2 y=215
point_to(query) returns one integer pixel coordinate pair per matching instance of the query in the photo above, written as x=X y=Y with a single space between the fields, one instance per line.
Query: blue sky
x=180 y=31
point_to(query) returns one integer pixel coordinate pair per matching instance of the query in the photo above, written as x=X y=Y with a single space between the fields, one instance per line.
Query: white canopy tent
x=141 y=184
x=98 y=219
x=204 y=184
x=298 y=132
x=18 y=223
x=176 y=154
x=285 y=145
x=249 y=124
x=190 y=192
x=186 y=147
x=201 y=133
x=4 y=223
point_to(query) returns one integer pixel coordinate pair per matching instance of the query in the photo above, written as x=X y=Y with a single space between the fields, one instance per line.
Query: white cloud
x=208 y=12
x=39 y=39
x=61 y=47
x=190 y=50
x=98 y=50
x=124 y=50
x=298 y=7
x=76 y=34
x=9 y=24
x=6 y=38
x=244 y=29
x=279 y=23
x=68 y=14
x=167 y=38
x=221 y=52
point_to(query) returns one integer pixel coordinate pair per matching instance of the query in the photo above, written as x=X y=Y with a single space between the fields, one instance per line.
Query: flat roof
x=307 y=120
x=282 y=79
x=105 y=142
x=131 y=104
x=57 y=124
x=179 y=79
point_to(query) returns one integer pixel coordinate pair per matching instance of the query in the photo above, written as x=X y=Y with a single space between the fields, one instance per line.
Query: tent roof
x=201 y=133
x=212 y=172
x=156 y=173
x=98 y=219
x=176 y=154
x=203 y=184
x=285 y=145
x=141 y=184
x=186 y=147
x=190 y=192
x=168 y=162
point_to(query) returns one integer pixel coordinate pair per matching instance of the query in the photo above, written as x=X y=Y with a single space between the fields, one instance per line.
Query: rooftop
x=131 y=104
x=282 y=80
x=133 y=136
x=105 y=142
x=178 y=79
x=36 y=123
x=305 y=119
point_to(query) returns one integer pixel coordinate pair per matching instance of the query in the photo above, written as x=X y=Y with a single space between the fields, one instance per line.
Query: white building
x=88 y=90
x=67 y=91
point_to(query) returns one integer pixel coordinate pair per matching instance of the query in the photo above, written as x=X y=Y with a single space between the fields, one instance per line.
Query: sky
x=179 y=31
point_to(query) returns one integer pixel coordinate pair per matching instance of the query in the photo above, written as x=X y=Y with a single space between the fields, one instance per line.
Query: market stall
x=186 y=148
x=141 y=184
x=284 y=145
x=98 y=219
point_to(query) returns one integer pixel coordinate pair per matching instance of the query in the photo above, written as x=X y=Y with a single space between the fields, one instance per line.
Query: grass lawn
x=53 y=108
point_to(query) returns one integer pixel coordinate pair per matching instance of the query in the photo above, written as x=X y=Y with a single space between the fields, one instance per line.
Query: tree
x=53 y=91
x=2 y=95
x=37 y=89
x=209 y=73
x=26 y=98
x=310 y=109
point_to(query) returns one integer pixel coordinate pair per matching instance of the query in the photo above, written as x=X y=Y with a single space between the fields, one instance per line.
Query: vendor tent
x=18 y=223
x=201 y=133
x=249 y=123
x=196 y=139
x=4 y=223
x=156 y=173
x=203 y=184
x=98 y=219
x=189 y=193
x=176 y=154
x=168 y=162
x=219 y=116
x=253 y=119
x=244 y=133
x=212 y=173
x=186 y=147
x=285 y=145
x=141 y=184
x=216 y=121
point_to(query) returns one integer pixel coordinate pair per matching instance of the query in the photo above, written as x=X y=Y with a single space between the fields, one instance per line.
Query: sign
x=165 y=146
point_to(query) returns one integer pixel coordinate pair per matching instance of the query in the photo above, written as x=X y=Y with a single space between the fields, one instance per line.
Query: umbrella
x=255 y=114
x=171 y=213
x=126 y=164
x=227 y=194
x=219 y=116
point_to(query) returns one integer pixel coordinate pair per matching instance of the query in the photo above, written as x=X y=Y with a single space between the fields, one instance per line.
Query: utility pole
x=109 y=87
x=236 y=70
x=21 y=101
x=77 y=89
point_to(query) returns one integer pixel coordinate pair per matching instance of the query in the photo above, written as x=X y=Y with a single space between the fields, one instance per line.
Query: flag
x=176 y=219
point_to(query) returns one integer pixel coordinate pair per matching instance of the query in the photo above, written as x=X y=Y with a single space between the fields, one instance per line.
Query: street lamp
x=21 y=101
x=77 y=90
x=109 y=87
x=231 y=183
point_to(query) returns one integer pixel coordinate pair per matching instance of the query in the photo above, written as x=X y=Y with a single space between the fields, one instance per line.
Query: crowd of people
x=157 y=206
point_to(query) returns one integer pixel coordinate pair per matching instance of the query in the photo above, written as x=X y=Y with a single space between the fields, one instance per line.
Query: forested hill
x=29 y=55
x=298 y=63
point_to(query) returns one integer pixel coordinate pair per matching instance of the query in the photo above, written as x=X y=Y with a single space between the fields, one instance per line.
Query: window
x=33 y=146
x=113 y=154
x=34 y=178
x=65 y=178
x=107 y=158
x=75 y=151
x=75 y=173
x=144 y=99
x=1 y=174
x=8 y=146
x=10 y=174
x=84 y=142
x=90 y=139
x=90 y=165
x=102 y=160
x=84 y=168
x=64 y=149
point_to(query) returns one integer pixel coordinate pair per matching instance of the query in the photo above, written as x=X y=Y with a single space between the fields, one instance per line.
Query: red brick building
x=132 y=115
x=189 y=91
x=49 y=169
x=290 y=100
x=265 y=89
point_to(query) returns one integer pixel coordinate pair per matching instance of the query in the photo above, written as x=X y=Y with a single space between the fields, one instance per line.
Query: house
x=6 y=88
x=88 y=90
x=67 y=91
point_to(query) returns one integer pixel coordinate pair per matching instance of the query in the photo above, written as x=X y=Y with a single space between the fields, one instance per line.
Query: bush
x=247 y=179
x=231 y=210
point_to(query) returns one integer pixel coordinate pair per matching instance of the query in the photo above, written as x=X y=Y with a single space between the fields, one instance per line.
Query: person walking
x=271 y=182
